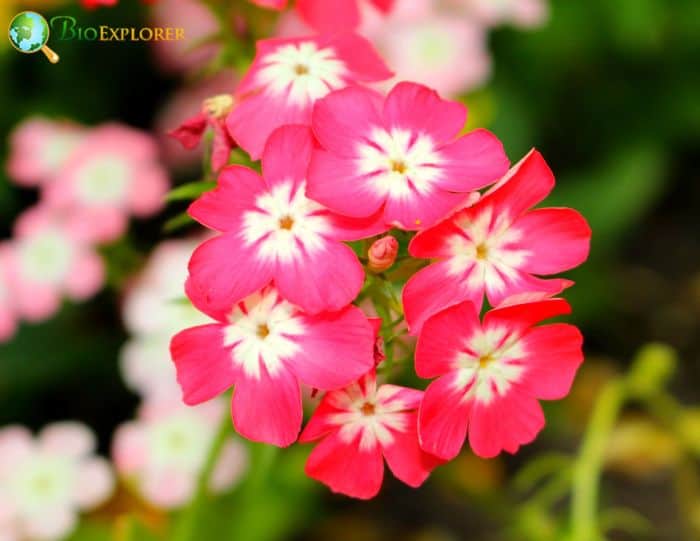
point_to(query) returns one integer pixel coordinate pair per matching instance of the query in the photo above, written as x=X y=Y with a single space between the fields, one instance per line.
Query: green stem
x=589 y=464
x=187 y=525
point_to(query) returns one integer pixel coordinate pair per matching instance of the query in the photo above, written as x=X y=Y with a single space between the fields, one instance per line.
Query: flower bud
x=382 y=253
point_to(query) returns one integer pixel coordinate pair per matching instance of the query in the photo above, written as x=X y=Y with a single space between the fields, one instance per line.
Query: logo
x=29 y=33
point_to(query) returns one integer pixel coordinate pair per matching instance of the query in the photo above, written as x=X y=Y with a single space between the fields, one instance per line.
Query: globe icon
x=29 y=33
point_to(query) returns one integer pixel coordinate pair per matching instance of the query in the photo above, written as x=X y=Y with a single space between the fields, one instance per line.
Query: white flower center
x=304 y=71
x=57 y=149
x=262 y=330
x=369 y=415
x=104 y=180
x=181 y=441
x=285 y=222
x=46 y=258
x=41 y=482
x=400 y=162
x=488 y=243
x=489 y=364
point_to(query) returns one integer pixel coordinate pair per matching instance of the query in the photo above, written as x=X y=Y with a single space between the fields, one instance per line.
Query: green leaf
x=190 y=191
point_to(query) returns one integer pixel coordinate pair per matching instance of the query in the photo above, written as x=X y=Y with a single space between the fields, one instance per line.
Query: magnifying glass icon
x=29 y=33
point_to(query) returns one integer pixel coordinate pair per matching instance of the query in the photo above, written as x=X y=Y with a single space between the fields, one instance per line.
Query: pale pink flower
x=289 y=75
x=490 y=375
x=162 y=452
x=154 y=309
x=39 y=147
x=8 y=316
x=522 y=13
x=50 y=257
x=46 y=482
x=199 y=24
x=359 y=427
x=497 y=247
x=112 y=174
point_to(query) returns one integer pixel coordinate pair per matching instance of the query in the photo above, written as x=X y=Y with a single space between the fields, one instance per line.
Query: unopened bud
x=218 y=106
x=382 y=253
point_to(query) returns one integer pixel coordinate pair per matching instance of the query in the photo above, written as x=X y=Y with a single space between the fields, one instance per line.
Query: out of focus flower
x=523 y=13
x=336 y=16
x=186 y=102
x=449 y=52
x=45 y=482
x=8 y=317
x=272 y=4
x=289 y=75
x=93 y=4
x=266 y=347
x=213 y=115
x=201 y=27
x=495 y=247
x=360 y=426
x=154 y=309
x=162 y=452
x=271 y=231
x=39 y=147
x=113 y=173
x=50 y=257
x=382 y=253
x=491 y=375
x=401 y=156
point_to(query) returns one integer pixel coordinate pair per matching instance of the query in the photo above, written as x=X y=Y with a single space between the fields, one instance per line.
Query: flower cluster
x=161 y=453
x=46 y=482
x=342 y=163
x=90 y=182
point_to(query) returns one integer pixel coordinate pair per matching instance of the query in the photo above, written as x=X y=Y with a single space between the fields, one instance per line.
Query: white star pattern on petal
x=262 y=330
x=400 y=162
x=489 y=364
x=306 y=72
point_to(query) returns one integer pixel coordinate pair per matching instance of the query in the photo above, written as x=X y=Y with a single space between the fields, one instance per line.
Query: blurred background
x=607 y=91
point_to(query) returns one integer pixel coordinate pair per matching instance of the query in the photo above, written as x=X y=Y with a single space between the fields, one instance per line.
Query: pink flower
x=403 y=157
x=161 y=453
x=213 y=115
x=113 y=173
x=338 y=15
x=450 y=52
x=490 y=375
x=265 y=347
x=496 y=246
x=273 y=232
x=200 y=26
x=39 y=148
x=49 y=257
x=45 y=482
x=289 y=75
x=360 y=426
x=8 y=317
x=382 y=253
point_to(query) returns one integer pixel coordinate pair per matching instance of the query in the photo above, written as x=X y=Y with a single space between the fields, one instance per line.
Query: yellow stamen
x=367 y=409
x=482 y=251
x=398 y=166
x=286 y=222
x=301 y=69
x=485 y=360
x=219 y=106
x=263 y=330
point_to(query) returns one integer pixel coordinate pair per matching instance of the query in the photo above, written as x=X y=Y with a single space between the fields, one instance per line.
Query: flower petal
x=268 y=408
x=204 y=366
x=407 y=461
x=346 y=468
